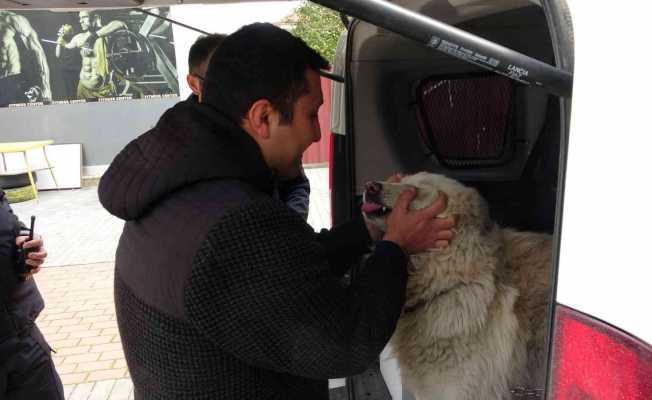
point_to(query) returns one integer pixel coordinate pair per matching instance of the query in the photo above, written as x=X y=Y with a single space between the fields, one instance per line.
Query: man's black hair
x=202 y=49
x=259 y=61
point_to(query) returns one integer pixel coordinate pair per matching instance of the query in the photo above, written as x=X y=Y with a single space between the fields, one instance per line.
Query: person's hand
x=374 y=233
x=61 y=41
x=37 y=256
x=64 y=31
x=419 y=230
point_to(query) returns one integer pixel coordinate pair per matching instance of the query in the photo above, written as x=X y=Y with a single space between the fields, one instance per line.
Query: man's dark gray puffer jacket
x=221 y=291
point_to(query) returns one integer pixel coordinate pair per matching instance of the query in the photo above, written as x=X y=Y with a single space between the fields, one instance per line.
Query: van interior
x=410 y=109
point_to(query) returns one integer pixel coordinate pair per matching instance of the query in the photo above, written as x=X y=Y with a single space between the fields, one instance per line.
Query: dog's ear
x=471 y=208
x=482 y=212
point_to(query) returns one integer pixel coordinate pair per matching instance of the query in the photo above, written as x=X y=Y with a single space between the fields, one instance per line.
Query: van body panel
x=605 y=266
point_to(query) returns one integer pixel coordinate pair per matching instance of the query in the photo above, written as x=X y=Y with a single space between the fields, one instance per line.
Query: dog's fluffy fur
x=474 y=323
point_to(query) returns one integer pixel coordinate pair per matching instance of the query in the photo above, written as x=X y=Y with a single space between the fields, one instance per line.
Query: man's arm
x=76 y=42
x=110 y=28
x=11 y=61
x=30 y=38
x=10 y=227
x=61 y=42
x=345 y=244
x=61 y=38
x=84 y=41
x=263 y=291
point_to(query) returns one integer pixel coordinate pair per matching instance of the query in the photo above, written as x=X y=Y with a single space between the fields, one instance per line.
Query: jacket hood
x=192 y=142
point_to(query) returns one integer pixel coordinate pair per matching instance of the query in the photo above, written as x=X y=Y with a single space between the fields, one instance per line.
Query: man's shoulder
x=264 y=218
x=80 y=38
x=262 y=228
x=18 y=22
x=216 y=196
x=180 y=113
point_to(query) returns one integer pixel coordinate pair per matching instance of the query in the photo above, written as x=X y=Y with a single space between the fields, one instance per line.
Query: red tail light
x=595 y=361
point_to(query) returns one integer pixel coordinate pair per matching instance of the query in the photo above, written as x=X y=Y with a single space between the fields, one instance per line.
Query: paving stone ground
x=79 y=324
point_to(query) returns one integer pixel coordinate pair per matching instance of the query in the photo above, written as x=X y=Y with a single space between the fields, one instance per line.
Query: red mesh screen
x=466 y=121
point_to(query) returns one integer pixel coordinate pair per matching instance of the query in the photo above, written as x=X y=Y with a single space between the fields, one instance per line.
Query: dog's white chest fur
x=477 y=365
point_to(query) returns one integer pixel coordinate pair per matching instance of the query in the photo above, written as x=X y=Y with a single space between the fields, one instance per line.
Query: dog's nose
x=373 y=187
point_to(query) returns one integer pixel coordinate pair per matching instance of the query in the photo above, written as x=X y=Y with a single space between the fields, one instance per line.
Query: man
x=26 y=367
x=24 y=71
x=198 y=57
x=295 y=191
x=94 y=77
x=68 y=64
x=221 y=291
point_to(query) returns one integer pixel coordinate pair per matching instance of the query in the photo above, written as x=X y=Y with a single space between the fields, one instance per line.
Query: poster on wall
x=75 y=57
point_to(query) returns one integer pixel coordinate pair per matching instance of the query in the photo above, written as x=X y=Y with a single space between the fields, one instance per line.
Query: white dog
x=474 y=322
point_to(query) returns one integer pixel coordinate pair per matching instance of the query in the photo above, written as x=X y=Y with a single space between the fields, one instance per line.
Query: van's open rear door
x=457 y=43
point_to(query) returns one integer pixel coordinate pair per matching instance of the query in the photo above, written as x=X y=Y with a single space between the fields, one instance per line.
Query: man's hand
x=420 y=230
x=64 y=31
x=36 y=256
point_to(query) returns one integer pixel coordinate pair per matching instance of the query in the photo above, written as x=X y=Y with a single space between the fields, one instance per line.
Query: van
x=481 y=91
x=416 y=99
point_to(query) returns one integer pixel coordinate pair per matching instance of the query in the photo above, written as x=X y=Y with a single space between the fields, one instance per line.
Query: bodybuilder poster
x=71 y=57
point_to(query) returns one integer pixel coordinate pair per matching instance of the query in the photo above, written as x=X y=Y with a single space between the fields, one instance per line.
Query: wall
x=102 y=128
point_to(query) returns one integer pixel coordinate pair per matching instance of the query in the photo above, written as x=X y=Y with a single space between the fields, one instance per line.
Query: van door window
x=466 y=122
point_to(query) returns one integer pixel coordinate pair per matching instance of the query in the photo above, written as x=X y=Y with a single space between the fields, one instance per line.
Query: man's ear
x=259 y=117
x=194 y=83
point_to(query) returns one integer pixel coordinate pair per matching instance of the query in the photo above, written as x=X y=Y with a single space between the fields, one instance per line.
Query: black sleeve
x=345 y=244
x=262 y=290
x=295 y=193
x=10 y=227
x=13 y=223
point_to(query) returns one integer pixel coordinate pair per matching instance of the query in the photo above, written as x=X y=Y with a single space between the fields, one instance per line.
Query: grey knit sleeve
x=262 y=290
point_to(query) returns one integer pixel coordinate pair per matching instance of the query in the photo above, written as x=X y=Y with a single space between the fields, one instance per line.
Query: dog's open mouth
x=373 y=208
x=372 y=204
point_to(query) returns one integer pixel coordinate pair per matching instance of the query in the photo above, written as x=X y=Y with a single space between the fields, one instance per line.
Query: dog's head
x=467 y=264
x=464 y=203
